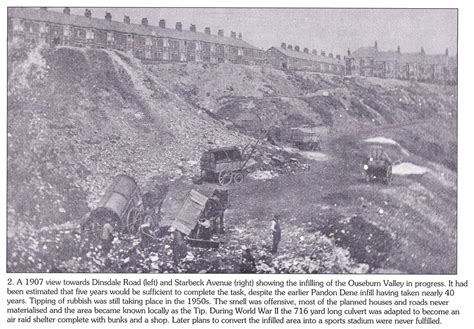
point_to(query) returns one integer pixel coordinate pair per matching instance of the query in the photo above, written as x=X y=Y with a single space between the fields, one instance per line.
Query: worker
x=276 y=233
x=247 y=264
x=107 y=237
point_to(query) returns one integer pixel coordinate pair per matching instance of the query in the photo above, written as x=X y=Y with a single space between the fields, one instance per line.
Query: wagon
x=194 y=215
x=121 y=208
x=305 y=138
x=223 y=165
x=378 y=166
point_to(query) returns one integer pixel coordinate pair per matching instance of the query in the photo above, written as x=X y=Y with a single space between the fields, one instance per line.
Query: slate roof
x=102 y=24
x=392 y=56
x=309 y=56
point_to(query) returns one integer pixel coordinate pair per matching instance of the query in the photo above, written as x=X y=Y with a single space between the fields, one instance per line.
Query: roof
x=395 y=56
x=308 y=56
x=102 y=24
x=365 y=52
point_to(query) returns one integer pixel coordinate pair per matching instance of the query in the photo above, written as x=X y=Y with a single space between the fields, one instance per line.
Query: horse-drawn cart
x=378 y=166
x=225 y=165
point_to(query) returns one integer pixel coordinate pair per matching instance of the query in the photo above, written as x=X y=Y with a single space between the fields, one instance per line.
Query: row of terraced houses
x=162 y=44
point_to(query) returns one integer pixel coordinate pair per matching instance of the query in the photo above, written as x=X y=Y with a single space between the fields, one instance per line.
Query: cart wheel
x=132 y=221
x=238 y=177
x=388 y=177
x=225 y=177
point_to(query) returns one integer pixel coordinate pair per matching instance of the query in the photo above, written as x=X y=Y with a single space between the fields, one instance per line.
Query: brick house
x=145 y=41
x=285 y=57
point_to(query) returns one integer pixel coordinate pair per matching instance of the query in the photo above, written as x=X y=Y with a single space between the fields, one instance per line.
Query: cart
x=305 y=138
x=225 y=165
x=120 y=209
x=378 y=166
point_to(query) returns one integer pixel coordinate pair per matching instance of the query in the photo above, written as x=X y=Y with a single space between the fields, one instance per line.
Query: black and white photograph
x=232 y=140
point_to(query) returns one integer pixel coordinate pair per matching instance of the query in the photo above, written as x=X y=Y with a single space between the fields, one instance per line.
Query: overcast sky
x=332 y=30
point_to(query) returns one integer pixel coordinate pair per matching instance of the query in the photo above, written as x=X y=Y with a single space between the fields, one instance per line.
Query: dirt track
x=414 y=216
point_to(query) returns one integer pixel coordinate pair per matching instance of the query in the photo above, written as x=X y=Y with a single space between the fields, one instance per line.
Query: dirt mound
x=366 y=242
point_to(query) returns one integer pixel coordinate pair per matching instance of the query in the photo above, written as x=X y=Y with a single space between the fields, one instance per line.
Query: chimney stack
x=323 y=53
x=179 y=26
x=338 y=57
x=88 y=13
x=398 y=49
x=233 y=34
x=314 y=52
x=240 y=36
x=220 y=33
x=192 y=28
x=207 y=30
x=446 y=52
x=108 y=17
x=145 y=21
x=283 y=45
x=297 y=48
x=331 y=55
x=67 y=11
x=306 y=50
x=422 y=51
x=162 y=23
x=376 y=45
x=126 y=19
x=348 y=51
x=290 y=47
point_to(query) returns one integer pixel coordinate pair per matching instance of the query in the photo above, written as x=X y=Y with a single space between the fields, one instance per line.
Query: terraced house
x=285 y=57
x=371 y=62
x=145 y=41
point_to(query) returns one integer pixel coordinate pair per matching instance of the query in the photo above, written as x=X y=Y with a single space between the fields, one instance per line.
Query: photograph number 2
x=232 y=140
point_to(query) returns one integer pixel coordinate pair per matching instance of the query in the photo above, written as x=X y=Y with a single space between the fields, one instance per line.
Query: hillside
x=78 y=117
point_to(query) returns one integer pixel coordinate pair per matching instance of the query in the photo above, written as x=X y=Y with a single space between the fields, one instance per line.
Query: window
x=174 y=45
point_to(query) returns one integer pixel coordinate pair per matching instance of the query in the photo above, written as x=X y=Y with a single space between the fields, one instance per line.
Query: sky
x=331 y=30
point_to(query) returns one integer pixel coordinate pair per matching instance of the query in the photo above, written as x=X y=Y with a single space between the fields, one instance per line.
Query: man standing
x=276 y=232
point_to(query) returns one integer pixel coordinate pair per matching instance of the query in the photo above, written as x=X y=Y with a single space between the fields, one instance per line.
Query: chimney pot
x=422 y=51
x=376 y=45
x=145 y=21
x=88 y=13
x=446 y=52
x=126 y=19
x=398 y=49
x=179 y=26
x=233 y=34
x=314 y=52
x=290 y=47
x=240 y=36
x=207 y=30
x=162 y=23
x=220 y=33
x=108 y=17
x=192 y=28
x=348 y=52
x=283 y=45
x=338 y=57
x=323 y=53
x=67 y=11
x=297 y=48
x=331 y=55
x=306 y=50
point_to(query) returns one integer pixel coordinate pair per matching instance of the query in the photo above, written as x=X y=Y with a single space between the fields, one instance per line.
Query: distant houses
x=371 y=62
x=285 y=57
x=162 y=44
x=145 y=41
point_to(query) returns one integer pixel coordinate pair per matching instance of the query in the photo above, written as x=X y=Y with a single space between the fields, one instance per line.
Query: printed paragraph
x=232 y=301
